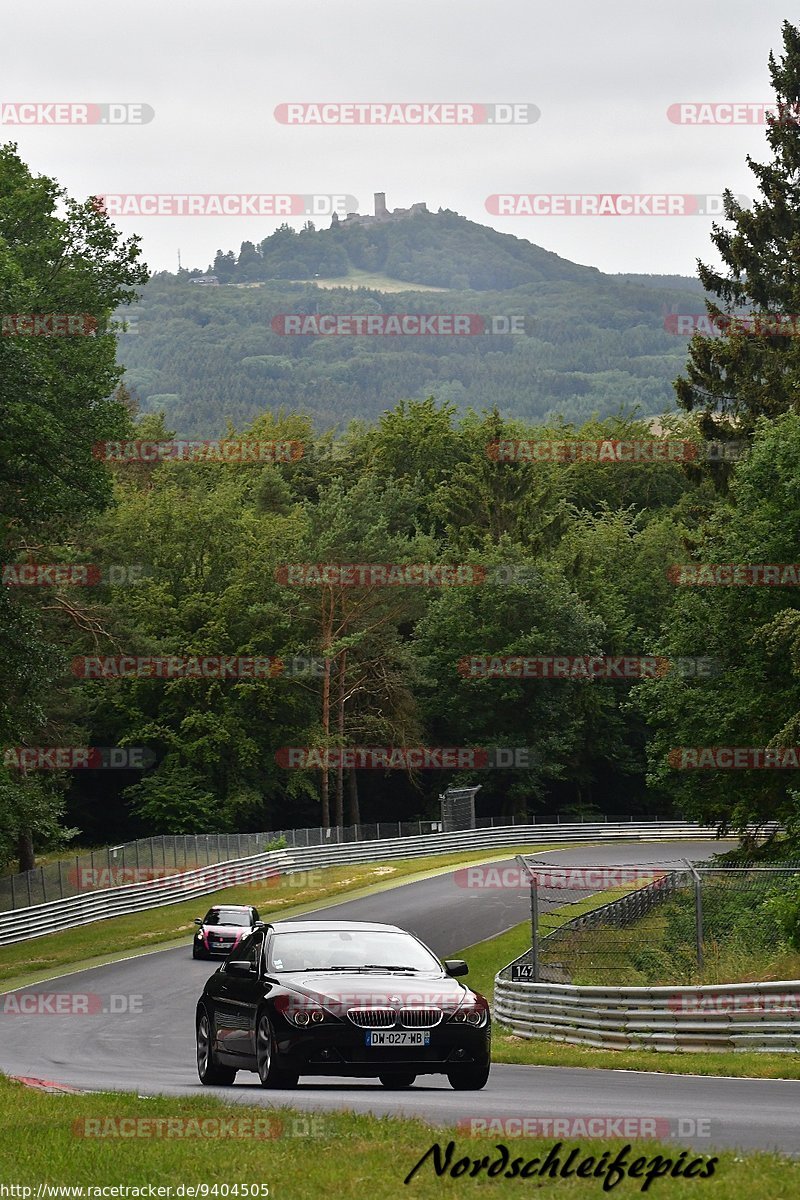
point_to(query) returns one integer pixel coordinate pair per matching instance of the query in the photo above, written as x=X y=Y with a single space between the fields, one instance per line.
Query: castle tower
x=380 y=204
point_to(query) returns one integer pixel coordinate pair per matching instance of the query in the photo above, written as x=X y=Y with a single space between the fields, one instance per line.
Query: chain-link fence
x=158 y=857
x=661 y=923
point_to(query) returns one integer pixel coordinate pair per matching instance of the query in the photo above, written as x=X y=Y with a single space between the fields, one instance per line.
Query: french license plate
x=388 y=1037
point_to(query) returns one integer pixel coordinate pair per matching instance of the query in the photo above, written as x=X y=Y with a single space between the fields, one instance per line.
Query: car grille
x=372 y=1018
x=386 y=1018
x=420 y=1018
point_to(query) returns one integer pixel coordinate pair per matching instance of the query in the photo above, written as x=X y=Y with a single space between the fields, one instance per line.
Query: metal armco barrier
x=21 y=924
x=35 y=921
x=734 y=1016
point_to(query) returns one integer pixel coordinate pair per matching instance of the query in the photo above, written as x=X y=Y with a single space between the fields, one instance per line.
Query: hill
x=589 y=343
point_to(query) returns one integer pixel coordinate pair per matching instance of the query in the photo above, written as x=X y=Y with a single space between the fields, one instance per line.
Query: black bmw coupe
x=344 y=999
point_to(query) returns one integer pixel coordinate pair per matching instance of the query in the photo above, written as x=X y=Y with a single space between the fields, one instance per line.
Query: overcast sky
x=603 y=76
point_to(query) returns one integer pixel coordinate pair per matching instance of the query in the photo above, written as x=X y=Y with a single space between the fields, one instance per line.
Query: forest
x=359 y=564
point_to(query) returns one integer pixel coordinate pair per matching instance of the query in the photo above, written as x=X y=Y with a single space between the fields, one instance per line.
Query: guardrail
x=21 y=924
x=738 y=1016
x=40 y=919
x=168 y=854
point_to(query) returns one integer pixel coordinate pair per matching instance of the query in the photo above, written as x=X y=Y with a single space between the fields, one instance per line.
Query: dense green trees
x=62 y=260
x=589 y=349
x=572 y=558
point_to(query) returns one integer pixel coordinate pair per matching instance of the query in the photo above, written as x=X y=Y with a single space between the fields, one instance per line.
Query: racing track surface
x=152 y=1049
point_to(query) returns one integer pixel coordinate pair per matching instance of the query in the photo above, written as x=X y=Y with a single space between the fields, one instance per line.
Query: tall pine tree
x=754 y=371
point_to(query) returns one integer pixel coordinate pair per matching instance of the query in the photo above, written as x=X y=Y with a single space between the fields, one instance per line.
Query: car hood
x=375 y=990
x=236 y=930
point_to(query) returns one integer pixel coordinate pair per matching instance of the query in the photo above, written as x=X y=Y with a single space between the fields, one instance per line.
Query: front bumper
x=341 y=1049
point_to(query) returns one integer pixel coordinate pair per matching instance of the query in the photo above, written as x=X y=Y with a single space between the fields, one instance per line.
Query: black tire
x=469 y=1078
x=210 y=1072
x=397 y=1079
x=195 y=953
x=271 y=1076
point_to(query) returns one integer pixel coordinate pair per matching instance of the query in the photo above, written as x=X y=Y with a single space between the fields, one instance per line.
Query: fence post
x=44 y=890
x=698 y=913
x=13 y=896
x=535 y=929
x=60 y=880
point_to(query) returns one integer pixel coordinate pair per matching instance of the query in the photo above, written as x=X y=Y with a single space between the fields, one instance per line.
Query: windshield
x=345 y=949
x=227 y=916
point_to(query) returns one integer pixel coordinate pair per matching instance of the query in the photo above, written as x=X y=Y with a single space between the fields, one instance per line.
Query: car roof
x=329 y=926
x=232 y=907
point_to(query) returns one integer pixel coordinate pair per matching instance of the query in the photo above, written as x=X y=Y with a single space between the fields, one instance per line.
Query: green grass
x=485 y=960
x=375 y=280
x=348 y=1156
x=159 y=927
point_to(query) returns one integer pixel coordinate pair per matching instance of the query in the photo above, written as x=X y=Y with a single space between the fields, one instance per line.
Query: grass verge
x=347 y=1156
x=90 y=945
x=485 y=960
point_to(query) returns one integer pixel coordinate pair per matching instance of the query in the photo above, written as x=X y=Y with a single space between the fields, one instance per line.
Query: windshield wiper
x=361 y=967
x=387 y=967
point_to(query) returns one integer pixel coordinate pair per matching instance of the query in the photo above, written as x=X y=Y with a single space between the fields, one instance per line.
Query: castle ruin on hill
x=382 y=213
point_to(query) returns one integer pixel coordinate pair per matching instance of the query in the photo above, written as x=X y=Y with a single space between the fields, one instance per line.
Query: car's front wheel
x=469 y=1078
x=210 y=1071
x=397 y=1079
x=271 y=1076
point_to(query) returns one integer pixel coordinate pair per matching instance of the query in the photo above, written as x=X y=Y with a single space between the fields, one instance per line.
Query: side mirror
x=198 y=920
x=240 y=967
x=456 y=966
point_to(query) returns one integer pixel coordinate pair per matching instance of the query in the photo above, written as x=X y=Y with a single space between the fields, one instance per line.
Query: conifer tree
x=753 y=369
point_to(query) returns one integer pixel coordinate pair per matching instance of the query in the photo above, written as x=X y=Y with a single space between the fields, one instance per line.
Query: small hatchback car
x=343 y=999
x=222 y=928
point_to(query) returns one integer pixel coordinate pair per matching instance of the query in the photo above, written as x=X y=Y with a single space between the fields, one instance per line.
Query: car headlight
x=473 y=1012
x=303 y=1013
